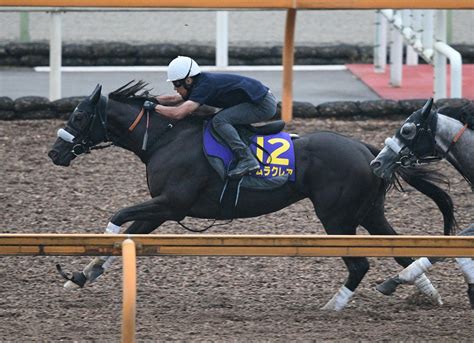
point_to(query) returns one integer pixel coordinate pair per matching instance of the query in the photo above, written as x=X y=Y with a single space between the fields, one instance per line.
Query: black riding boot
x=246 y=163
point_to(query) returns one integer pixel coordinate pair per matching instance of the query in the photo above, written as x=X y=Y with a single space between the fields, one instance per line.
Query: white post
x=427 y=34
x=55 y=57
x=396 y=57
x=440 y=59
x=380 y=47
x=411 y=54
x=222 y=39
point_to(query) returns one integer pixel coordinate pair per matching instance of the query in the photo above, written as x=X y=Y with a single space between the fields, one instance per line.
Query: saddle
x=272 y=147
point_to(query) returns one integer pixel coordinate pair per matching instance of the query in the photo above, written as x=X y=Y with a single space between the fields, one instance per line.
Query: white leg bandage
x=108 y=262
x=467 y=268
x=339 y=300
x=414 y=270
x=425 y=286
x=112 y=228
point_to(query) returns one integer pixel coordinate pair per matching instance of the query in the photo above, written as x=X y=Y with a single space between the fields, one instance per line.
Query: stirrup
x=246 y=171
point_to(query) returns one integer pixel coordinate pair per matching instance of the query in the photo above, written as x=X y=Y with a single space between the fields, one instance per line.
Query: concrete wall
x=256 y=28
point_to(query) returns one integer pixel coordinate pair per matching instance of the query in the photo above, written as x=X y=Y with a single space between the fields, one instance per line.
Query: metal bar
x=55 y=56
x=129 y=290
x=439 y=60
x=222 y=39
x=238 y=245
x=262 y=4
x=396 y=57
x=24 y=27
x=380 y=46
x=288 y=61
x=455 y=61
x=427 y=35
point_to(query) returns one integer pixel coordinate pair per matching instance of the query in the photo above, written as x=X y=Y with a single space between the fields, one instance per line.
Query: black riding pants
x=241 y=114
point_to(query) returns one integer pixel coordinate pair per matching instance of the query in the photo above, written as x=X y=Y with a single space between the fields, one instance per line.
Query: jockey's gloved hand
x=149 y=105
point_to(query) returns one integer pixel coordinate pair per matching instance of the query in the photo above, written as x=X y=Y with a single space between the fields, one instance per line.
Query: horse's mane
x=130 y=92
x=464 y=113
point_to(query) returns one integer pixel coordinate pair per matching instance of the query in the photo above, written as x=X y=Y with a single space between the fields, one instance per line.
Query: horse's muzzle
x=55 y=157
x=380 y=171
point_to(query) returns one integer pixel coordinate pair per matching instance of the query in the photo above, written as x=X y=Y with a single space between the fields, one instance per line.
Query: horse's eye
x=79 y=116
x=408 y=131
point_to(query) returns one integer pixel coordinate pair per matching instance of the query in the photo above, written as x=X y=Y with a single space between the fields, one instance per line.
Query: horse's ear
x=95 y=96
x=425 y=111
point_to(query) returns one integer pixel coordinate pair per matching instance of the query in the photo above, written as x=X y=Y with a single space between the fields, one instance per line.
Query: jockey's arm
x=170 y=99
x=178 y=112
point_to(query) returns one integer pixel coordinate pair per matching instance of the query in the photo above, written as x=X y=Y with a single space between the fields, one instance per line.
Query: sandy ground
x=206 y=298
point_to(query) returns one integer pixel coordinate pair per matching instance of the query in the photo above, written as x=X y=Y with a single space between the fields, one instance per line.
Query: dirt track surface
x=206 y=298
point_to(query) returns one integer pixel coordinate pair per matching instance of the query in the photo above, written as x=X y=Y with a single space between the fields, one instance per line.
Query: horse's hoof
x=330 y=306
x=388 y=287
x=71 y=285
x=78 y=280
x=470 y=293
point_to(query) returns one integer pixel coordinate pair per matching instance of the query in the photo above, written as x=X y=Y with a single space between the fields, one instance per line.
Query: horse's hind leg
x=376 y=224
x=100 y=264
x=467 y=267
x=357 y=267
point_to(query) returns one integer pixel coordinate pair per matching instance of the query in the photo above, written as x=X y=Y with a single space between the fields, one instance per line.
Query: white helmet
x=182 y=67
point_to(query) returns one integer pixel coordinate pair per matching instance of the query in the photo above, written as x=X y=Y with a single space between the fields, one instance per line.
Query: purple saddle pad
x=275 y=154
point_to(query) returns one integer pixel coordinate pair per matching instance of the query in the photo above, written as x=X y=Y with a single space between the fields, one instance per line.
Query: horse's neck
x=158 y=134
x=119 y=118
x=460 y=153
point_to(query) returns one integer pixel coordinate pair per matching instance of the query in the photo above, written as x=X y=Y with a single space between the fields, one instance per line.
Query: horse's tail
x=423 y=180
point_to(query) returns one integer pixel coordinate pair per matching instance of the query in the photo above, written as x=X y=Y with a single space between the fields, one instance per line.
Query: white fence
x=424 y=33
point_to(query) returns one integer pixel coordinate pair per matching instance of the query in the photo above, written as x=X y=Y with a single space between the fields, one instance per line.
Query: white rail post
x=427 y=34
x=442 y=51
x=396 y=53
x=411 y=54
x=417 y=20
x=439 y=60
x=24 y=27
x=380 y=47
x=55 y=56
x=222 y=39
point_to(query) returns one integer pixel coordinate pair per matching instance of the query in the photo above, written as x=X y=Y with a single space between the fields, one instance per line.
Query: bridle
x=408 y=154
x=84 y=144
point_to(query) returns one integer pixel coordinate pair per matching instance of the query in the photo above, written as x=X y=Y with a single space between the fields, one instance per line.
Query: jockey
x=243 y=101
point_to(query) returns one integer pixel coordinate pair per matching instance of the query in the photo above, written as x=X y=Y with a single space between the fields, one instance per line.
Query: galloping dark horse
x=331 y=170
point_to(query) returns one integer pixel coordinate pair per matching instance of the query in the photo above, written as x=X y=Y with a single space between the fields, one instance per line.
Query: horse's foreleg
x=377 y=224
x=413 y=274
x=100 y=264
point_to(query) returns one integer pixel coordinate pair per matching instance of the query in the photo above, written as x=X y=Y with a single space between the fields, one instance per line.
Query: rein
x=456 y=138
x=444 y=154
x=84 y=146
x=137 y=120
